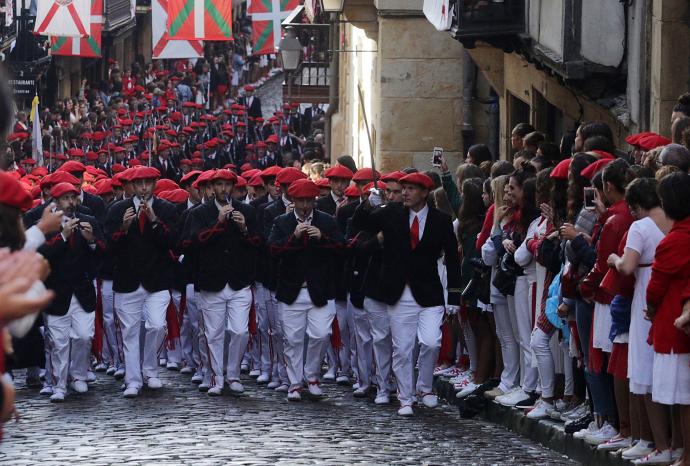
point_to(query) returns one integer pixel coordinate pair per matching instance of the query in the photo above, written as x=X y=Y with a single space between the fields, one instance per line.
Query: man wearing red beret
x=306 y=241
x=225 y=237
x=73 y=257
x=252 y=103
x=140 y=232
x=414 y=236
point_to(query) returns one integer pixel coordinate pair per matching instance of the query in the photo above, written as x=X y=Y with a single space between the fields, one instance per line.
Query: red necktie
x=142 y=221
x=414 y=233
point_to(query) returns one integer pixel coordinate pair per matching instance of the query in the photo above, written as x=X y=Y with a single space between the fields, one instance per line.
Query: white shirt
x=137 y=203
x=286 y=201
x=421 y=218
x=336 y=198
x=307 y=220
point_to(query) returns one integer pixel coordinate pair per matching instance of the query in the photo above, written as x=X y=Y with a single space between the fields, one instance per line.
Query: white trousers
x=380 y=325
x=524 y=300
x=69 y=340
x=192 y=351
x=410 y=323
x=346 y=357
x=299 y=319
x=545 y=361
x=510 y=349
x=226 y=310
x=262 y=340
x=133 y=309
x=112 y=339
x=363 y=345
x=275 y=330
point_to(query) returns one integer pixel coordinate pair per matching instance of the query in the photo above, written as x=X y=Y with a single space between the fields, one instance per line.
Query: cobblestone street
x=179 y=425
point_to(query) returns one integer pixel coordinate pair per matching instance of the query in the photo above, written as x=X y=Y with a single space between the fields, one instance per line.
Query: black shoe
x=578 y=424
x=529 y=402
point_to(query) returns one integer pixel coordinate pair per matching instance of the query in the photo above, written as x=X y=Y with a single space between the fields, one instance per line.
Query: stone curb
x=550 y=434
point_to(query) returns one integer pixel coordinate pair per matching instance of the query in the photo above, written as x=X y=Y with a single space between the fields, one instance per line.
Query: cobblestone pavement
x=180 y=425
x=271 y=95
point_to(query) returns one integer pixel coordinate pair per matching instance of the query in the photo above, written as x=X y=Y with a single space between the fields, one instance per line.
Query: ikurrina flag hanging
x=200 y=19
x=82 y=47
x=65 y=18
x=267 y=16
x=163 y=47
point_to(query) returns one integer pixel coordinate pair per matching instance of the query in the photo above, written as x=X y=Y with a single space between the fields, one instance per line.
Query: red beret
x=249 y=173
x=271 y=171
x=184 y=162
x=73 y=166
x=59 y=177
x=75 y=152
x=134 y=163
x=600 y=154
x=241 y=182
x=204 y=177
x=368 y=186
x=39 y=171
x=364 y=174
x=164 y=184
x=652 y=141
x=61 y=189
x=249 y=88
x=164 y=145
x=144 y=173
x=91 y=155
x=634 y=139
x=176 y=196
x=104 y=187
x=289 y=175
x=561 y=170
x=594 y=168
x=118 y=167
x=339 y=171
x=256 y=180
x=272 y=139
x=223 y=174
x=245 y=167
x=28 y=161
x=353 y=191
x=419 y=179
x=303 y=188
x=13 y=194
x=189 y=177
x=323 y=183
x=393 y=176
x=230 y=166
x=115 y=182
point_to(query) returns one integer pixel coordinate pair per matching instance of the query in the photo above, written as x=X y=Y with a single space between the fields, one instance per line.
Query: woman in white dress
x=643 y=237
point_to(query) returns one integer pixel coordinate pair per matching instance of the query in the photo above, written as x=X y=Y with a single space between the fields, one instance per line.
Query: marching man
x=226 y=243
x=307 y=242
x=73 y=257
x=140 y=232
x=414 y=237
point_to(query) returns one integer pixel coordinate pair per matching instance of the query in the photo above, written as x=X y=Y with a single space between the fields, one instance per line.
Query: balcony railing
x=486 y=18
x=117 y=13
x=310 y=83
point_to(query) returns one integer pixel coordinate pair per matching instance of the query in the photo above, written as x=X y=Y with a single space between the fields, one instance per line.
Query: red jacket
x=486 y=227
x=618 y=222
x=670 y=275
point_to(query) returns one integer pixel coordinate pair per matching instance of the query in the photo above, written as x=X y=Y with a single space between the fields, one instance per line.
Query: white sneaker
x=361 y=392
x=616 y=443
x=273 y=385
x=513 y=397
x=254 y=373
x=342 y=380
x=637 y=451
x=315 y=390
x=197 y=378
x=540 y=410
x=406 y=411
x=676 y=454
x=576 y=413
x=59 y=397
x=559 y=407
x=187 y=370
x=90 y=377
x=469 y=388
x=656 y=457
x=162 y=362
x=111 y=370
x=282 y=388
x=120 y=373
x=244 y=368
x=131 y=392
x=329 y=375
x=382 y=399
x=154 y=383
x=236 y=387
x=203 y=387
x=591 y=428
x=47 y=390
x=430 y=400
x=294 y=395
x=263 y=378
x=79 y=386
x=100 y=367
x=215 y=391
x=172 y=366
x=606 y=433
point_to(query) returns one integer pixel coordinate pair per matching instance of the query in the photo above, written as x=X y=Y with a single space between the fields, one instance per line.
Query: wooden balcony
x=310 y=83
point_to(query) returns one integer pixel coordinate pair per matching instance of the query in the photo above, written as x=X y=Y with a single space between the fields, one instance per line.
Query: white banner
x=65 y=18
x=438 y=13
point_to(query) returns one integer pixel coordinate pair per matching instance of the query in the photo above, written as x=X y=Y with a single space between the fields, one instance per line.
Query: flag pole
x=366 y=124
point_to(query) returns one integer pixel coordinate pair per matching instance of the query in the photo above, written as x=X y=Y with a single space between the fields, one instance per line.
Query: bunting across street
x=64 y=18
x=267 y=15
x=200 y=19
x=86 y=46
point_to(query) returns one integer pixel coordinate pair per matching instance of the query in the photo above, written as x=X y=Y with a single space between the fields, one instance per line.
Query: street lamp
x=333 y=6
x=290 y=52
